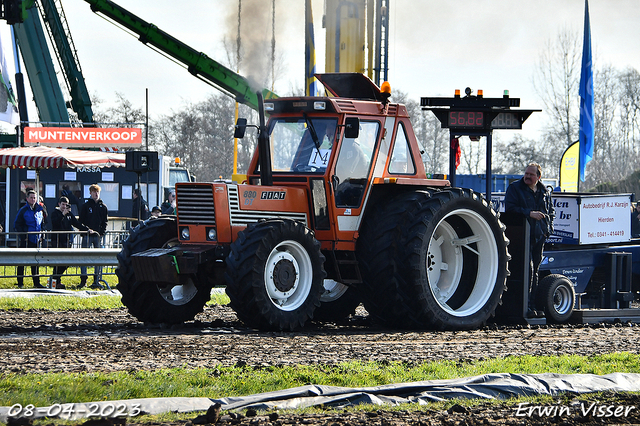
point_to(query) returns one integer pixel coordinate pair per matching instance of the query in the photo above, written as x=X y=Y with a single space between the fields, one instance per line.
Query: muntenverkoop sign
x=83 y=137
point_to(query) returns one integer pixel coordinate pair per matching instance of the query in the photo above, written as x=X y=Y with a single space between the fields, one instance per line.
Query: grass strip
x=72 y=303
x=50 y=388
x=71 y=278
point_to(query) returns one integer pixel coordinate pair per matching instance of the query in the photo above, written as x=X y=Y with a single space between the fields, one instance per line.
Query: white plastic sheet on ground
x=36 y=292
x=488 y=386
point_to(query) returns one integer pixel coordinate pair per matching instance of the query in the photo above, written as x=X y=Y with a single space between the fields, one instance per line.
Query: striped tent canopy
x=42 y=157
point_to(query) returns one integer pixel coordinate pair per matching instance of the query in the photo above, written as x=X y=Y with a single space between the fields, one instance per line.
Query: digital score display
x=506 y=120
x=466 y=119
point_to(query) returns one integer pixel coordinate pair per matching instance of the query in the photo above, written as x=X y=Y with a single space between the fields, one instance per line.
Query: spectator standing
x=29 y=219
x=93 y=215
x=74 y=202
x=140 y=210
x=62 y=220
x=530 y=198
x=169 y=205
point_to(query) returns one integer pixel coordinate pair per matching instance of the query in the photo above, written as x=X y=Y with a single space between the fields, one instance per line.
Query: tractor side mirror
x=351 y=127
x=241 y=126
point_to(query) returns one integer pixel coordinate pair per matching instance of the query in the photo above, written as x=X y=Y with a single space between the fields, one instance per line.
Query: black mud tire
x=439 y=260
x=454 y=260
x=261 y=269
x=337 y=302
x=153 y=302
x=377 y=255
x=556 y=297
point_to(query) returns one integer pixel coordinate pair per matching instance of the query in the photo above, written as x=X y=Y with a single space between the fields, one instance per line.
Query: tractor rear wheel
x=556 y=296
x=275 y=275
x=441 y=262
x=158 y=302
x=377 y=255
x=454 y=260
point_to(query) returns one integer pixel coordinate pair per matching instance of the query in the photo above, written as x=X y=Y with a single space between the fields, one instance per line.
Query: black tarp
x=487 y=386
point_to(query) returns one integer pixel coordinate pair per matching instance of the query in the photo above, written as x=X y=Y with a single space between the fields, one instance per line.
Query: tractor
x=336 y=210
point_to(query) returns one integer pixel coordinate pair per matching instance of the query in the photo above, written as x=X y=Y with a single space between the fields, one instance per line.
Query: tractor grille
x=195 y=205
x=245 y=217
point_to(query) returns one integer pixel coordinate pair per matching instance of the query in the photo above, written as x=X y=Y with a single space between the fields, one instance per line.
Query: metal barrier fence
x=111 y=238
x=100 y=262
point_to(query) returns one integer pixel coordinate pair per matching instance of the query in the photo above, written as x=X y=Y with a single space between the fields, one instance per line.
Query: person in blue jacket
x=530 y=198
x=29 y=219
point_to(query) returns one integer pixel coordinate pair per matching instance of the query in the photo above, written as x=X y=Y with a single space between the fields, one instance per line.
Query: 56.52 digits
x=106 y=409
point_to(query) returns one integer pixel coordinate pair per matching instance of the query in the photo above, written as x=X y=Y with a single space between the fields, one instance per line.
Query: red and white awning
x=41 y=157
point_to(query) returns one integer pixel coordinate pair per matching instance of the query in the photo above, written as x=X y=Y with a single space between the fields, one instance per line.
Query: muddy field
x=112 y=340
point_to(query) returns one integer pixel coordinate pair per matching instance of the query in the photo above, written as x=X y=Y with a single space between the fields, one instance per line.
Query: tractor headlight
x=184 y=233
x=211 y=234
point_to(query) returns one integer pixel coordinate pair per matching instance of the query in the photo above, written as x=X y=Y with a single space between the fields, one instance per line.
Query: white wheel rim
x=288 y=275
x=180 y=294
x=445 y=263
x=333 y=291
x=562 y=301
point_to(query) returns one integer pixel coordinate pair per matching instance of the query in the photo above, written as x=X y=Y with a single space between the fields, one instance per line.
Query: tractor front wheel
x=159 y=302
x=275 y=275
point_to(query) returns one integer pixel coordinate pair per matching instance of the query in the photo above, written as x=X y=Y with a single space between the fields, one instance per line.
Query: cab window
x=401 y=159
x=353 y=165
x=293 y=148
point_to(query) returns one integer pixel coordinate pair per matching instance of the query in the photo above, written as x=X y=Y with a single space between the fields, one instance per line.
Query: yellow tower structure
x=345 y=23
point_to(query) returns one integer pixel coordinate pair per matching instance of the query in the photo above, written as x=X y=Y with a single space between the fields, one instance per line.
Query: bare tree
x=604 y=165
x=629 y=90
x=435 y=141
x=432 y=138
x=513 y=156
x=123 y=112
x=557 y=85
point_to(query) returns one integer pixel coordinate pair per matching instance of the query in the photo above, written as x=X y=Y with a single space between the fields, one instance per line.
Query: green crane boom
x=197 y=63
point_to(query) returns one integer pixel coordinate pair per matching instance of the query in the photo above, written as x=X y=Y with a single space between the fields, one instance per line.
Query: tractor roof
x=350 y=85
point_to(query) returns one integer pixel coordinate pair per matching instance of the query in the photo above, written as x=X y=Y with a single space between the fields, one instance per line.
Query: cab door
x=350 y=178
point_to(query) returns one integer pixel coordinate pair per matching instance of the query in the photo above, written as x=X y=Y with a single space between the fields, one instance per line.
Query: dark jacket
x=140 y=205
x=74 y=202
x=521 y=199
x=61 y=222
x=94 y=215
x=29 y=220
x=167 y=208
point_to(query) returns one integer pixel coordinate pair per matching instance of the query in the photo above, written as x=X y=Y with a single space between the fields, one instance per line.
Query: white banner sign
x=605 y=219
x=586 y=219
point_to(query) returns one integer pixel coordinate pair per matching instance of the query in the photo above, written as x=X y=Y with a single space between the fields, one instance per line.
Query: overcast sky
x=435 y=46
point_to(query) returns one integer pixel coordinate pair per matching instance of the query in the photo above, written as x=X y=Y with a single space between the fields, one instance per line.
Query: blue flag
x=311 y=84
x=586 y=97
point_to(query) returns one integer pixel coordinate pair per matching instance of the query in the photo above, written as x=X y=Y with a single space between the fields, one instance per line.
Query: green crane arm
x=197 y=63
x=38 y=63
x=29 y=32
x=52 y=14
